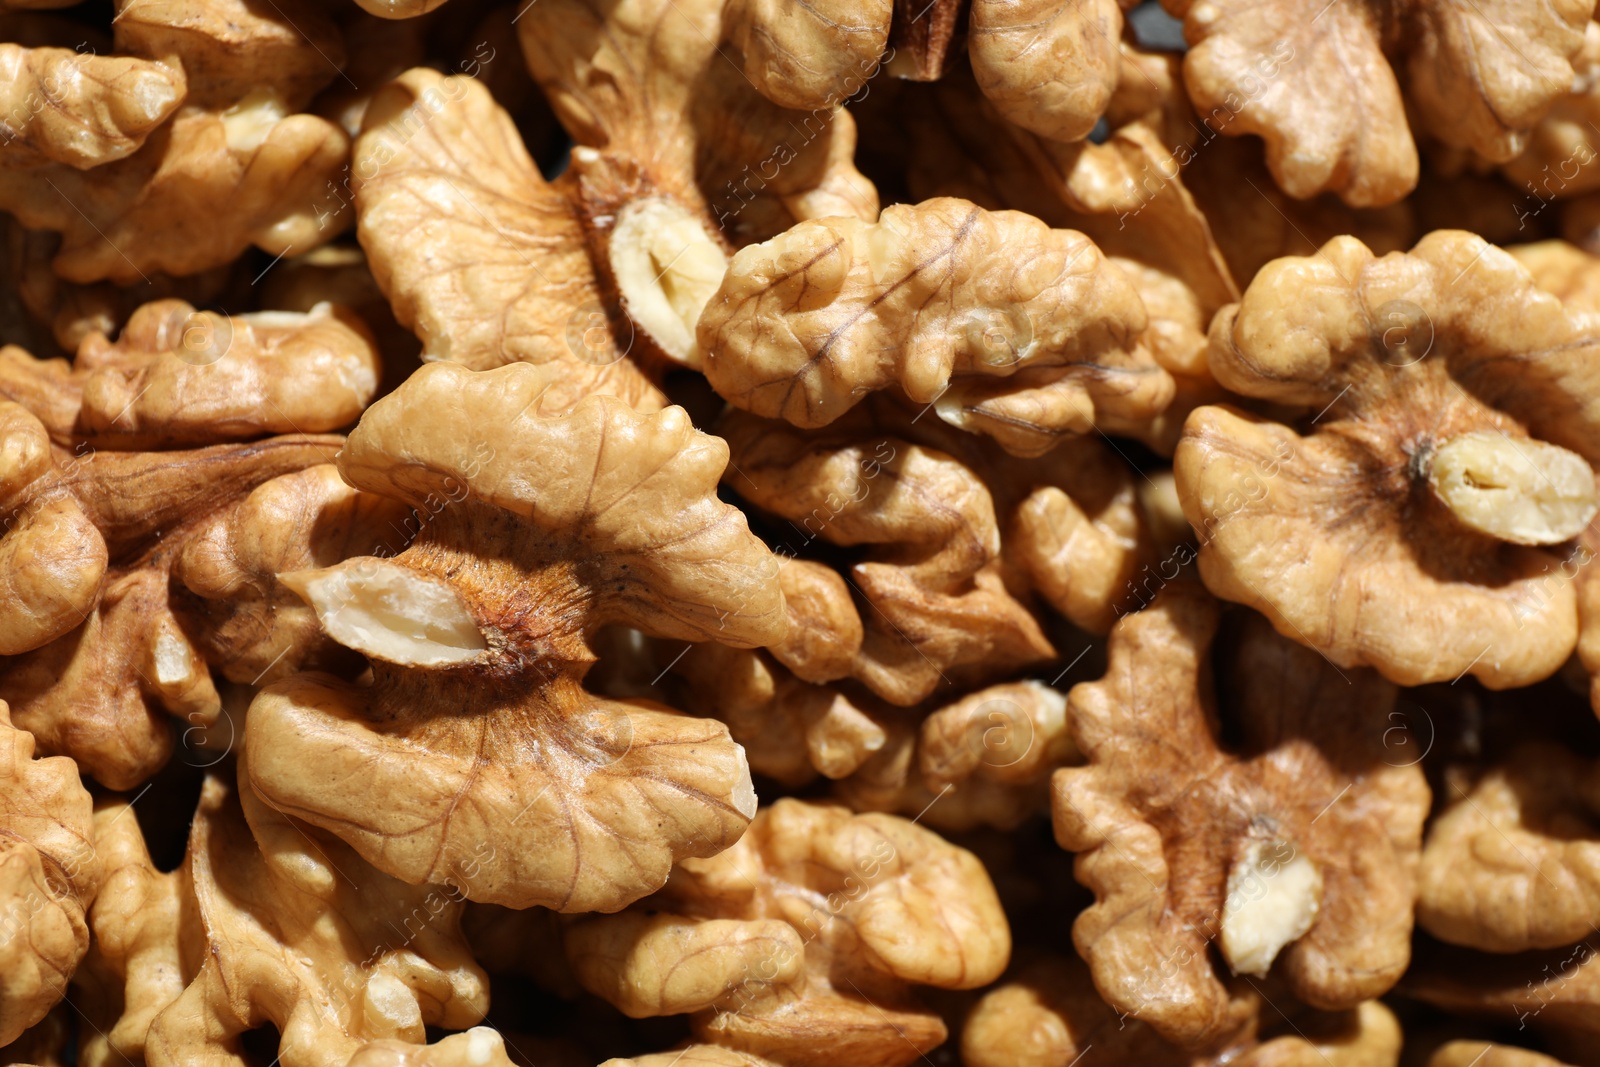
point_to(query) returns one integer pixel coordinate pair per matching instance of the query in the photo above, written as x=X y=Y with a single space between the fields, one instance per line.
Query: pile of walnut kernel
x=739 y=533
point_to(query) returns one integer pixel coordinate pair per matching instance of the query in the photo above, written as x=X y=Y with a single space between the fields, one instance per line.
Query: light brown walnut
x=1564 y=269
x=1511 y=861
x=49 y=873
x=539 y=530
x=98 y=654
x=1448 y=410
x=808 y=56
x=983 y=760
x=1295 y=854
x=1316 y=83
x=802 y=943
x=233 y=50
x=145 y=941
x=1048 y=1013
x=61 y=106
x=1047 y=66
x=1000 y=324
x=937 y=612
x=178 y=376
x=1562 y=156
x=791 y=730
x=476 y=252
x=669 y=115
x=300 y=932
x=205 y=186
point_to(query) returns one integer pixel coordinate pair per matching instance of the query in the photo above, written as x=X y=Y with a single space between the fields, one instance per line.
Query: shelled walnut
x=802 y=942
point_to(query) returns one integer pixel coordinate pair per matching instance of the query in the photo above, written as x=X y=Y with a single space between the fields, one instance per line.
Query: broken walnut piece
x=1315 y=83
x=938 y=611
x=301 y=933
x=178 y=376
x=1296 y=855
x=52 y=557
x=1564 y=269
x=49 y=873
x=476 y=252
x=1511 y=862
x=1450 y=412
x=1558 y=162
x=583 y=803
x=1001 y=324
x=802 y=942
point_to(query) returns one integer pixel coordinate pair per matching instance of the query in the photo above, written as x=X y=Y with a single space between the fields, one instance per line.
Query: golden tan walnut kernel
x=301 y=933
x=539 y=531
x=102 y=691
x=1128 y=195
x=61 y=106
x=101 y=649
x=483 y=1047
x=939 y=612
x=205 y=186
x=1564 y=269
x=1048 y=1013
x=178 y=376
x=1510 y=862
x=1316 y=84
x=801 y=943
x=135 y=966
x=671 y=119
x=984 y=760
x=231 y=50
x=1005 y=326
x=693 y=1056
x=791 y=730
x=1297 y=854
x=479 y=255
x=1047 y=66
x=808 y=56
x=49 y=873
x=1416 y=525
x=1562 y=157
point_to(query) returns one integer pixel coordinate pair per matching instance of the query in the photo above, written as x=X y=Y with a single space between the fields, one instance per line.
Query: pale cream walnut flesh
x=1527 y=492
x=1272 y=899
